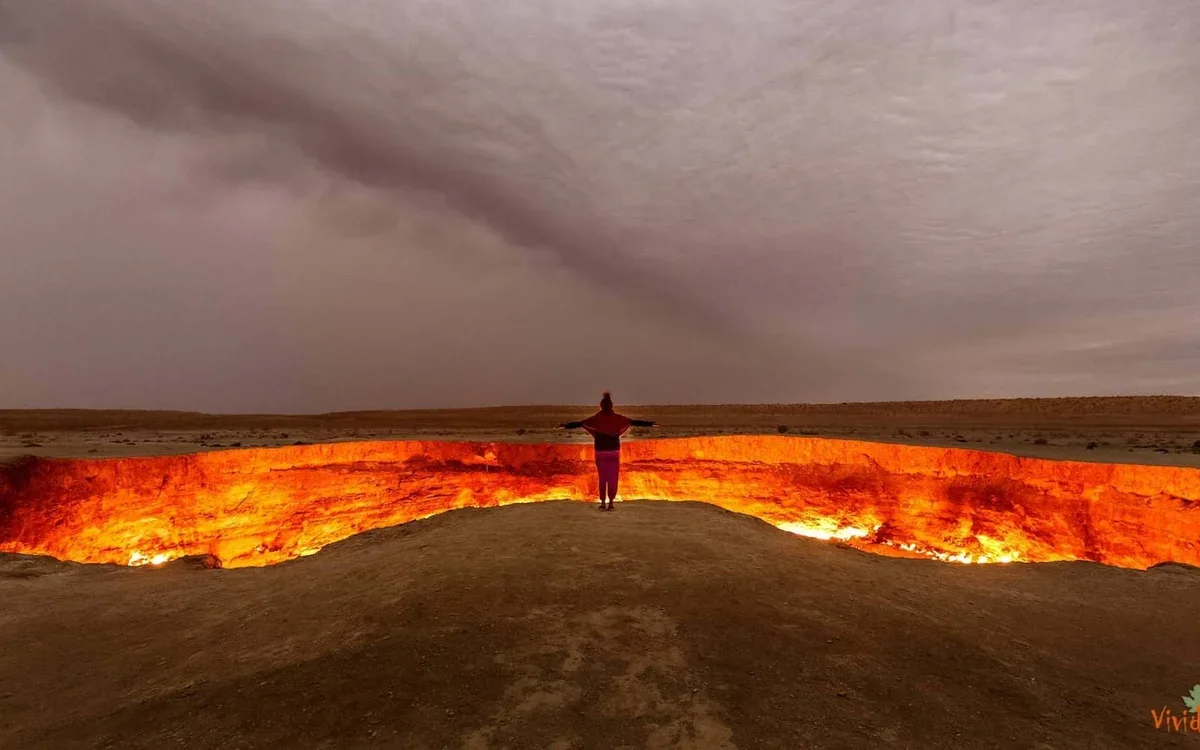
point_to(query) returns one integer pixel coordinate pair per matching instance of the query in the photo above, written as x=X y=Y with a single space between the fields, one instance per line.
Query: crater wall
x=263 y=506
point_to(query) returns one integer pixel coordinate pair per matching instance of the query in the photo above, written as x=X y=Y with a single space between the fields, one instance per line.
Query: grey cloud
x=786 y=200
x=166 y=68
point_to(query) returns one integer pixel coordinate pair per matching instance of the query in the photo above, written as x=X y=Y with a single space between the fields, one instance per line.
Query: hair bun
x=606 y=394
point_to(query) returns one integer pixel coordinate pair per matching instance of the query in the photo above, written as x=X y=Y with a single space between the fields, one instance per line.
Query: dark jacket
x=604 y=442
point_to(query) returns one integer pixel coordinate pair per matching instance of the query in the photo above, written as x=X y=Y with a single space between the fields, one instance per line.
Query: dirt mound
x=552 y=625
x=31 y=566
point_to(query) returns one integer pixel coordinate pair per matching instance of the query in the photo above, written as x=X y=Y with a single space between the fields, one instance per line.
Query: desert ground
x=1145 y=430
x=551 y=625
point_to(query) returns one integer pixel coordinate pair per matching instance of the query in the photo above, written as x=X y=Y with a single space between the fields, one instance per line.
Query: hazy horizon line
x=13 y=410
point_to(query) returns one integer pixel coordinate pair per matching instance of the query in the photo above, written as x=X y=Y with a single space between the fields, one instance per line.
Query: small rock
x=210 y=562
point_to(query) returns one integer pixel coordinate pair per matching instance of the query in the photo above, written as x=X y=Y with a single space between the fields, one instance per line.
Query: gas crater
x=258 y=507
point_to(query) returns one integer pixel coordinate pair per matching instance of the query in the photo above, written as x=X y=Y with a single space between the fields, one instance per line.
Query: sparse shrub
x=1196 y=447
x=782 y=428
x=284 y=436
x=959 y=439
x=235 y=445
x=520 y=430
x=1093 y=445
x=1041 y=441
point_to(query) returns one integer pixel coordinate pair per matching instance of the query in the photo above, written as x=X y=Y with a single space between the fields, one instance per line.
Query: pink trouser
x=608 y=466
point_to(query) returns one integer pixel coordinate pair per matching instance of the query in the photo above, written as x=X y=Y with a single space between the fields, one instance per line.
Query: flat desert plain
x=1144 y=430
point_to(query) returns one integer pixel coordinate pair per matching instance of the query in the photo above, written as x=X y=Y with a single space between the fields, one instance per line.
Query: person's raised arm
x=643 y=423
x=570 y=425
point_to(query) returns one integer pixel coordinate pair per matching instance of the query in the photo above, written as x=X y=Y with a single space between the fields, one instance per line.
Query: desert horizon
x=1154 y=430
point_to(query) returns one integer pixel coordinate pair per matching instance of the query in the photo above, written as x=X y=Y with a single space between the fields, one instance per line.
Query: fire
x=961 y=557
x=138 y=559
x=828 y=530
x=825 y=529
x=263 y=506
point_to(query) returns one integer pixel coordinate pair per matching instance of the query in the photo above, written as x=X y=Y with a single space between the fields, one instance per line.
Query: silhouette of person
x=606 y=428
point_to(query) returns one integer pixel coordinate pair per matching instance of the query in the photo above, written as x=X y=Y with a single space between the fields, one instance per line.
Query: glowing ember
x=827 y=530
x=824 y=530
x=138 y=559
x=961 y=557
x=263 y=506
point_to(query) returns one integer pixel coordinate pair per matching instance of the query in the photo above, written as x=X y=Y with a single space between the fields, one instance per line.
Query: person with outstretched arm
x=606 y=428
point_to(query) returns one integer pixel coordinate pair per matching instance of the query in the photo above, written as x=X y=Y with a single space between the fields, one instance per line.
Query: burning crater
x=264 y=506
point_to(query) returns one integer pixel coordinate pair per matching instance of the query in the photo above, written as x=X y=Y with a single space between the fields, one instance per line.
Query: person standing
x=606 y=428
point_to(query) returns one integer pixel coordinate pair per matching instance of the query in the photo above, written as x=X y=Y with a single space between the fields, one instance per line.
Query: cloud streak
x=794 y=201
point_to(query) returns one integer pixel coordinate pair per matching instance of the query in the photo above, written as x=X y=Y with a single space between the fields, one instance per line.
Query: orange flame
x=263 y=506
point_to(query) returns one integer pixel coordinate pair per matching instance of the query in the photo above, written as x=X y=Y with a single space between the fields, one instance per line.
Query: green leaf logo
x=1192 y=701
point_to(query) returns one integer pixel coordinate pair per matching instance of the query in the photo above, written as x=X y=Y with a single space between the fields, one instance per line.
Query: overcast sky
x=307 y=205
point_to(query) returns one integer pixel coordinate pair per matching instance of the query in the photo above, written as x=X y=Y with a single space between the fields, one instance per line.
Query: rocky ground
x=552 y=625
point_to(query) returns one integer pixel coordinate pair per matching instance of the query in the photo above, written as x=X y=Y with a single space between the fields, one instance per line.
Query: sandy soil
x=556 y=626
x=1147 y=430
